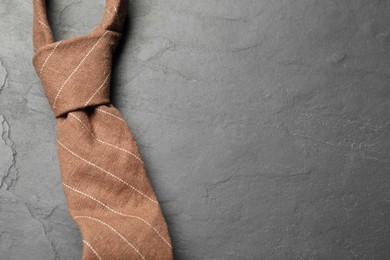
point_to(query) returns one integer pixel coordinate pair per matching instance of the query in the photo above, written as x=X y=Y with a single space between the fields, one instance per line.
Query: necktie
x=107 y=189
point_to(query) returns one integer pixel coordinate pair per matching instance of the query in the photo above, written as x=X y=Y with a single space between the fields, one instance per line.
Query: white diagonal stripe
x=81 y=122
x=103 y=142
x=110 y=114
x=45 y=25
x=94 y=94
x=121 y=149
x=107 y=172
x=78 y=66
x=92 y=249
x=48 y=57
x=113 y=230
x=117 y=212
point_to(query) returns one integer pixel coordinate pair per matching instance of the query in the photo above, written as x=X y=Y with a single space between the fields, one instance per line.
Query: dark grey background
x=264 y=125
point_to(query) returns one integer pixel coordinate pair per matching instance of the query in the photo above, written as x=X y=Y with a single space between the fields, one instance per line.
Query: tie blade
x=107 y=188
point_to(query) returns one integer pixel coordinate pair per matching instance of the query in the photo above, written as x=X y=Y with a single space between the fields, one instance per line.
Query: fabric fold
x=107 y=189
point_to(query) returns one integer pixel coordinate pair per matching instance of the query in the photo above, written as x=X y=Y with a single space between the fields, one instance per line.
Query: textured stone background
x=264 y=126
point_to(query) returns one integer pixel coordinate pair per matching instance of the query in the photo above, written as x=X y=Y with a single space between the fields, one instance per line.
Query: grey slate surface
x=264 y=126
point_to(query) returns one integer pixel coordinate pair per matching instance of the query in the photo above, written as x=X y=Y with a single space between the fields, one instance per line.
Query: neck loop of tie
x=75 y=72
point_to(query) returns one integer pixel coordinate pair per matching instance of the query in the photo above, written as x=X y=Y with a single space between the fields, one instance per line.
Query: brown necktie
x=108 y=192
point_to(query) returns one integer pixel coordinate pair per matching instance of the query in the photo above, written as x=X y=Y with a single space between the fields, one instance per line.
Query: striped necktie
x=108 y=192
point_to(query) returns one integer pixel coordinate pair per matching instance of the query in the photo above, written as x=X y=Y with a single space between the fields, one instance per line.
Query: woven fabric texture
x=108 y=192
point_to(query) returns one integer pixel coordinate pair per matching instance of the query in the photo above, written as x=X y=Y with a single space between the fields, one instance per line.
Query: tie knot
x=75 y=73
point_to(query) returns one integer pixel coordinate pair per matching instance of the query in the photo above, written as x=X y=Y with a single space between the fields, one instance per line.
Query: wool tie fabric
x=108 y=192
